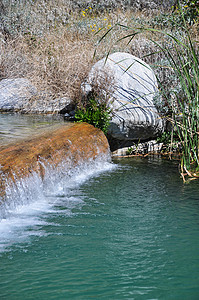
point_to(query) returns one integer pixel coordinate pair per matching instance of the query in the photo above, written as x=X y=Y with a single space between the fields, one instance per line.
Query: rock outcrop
x=71 y=145
x=135 y=116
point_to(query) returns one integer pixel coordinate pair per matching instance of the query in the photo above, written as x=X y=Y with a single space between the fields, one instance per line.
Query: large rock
x=65 y=147
x=135 y=116
x=19 y=95
x=14 y=93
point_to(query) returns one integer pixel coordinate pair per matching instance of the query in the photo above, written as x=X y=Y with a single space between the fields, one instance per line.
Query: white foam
x=30 y=201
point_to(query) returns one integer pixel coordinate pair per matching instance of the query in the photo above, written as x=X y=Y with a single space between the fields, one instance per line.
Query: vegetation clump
x=183 y=103
x=95 y=114
x=180 y=99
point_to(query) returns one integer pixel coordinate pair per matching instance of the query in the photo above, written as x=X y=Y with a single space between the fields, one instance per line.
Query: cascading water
x=27 y=199
x=74 y=225
x=37 y=172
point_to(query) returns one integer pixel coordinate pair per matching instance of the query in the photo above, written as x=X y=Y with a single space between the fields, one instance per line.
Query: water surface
x=14 y=126
x=122 y=230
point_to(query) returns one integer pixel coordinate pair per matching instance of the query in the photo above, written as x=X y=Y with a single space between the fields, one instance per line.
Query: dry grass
x=59 y=61
x=38 y=16
x=55 y=64
x=53 y=45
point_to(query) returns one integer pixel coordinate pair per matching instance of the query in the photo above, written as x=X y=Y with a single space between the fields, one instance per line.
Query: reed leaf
x=183 y=59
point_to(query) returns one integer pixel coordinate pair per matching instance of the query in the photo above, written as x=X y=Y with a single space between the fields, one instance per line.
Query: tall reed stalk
x=185 y=107
x=182 y=56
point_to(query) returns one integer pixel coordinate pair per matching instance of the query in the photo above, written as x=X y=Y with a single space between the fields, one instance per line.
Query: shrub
x=94 y=113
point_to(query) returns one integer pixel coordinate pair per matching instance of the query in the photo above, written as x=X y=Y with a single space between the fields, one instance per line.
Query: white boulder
x=135 y=116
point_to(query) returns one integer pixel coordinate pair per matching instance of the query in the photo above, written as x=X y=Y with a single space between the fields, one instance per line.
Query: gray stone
x=70 y=116
x=57 y=105
x=20 y=95
x=150 y=147
x=135 y=116
x=15 y=93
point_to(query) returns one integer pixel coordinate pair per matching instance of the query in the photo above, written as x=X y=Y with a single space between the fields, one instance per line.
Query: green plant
x=171 y=142
x=185 y=106
x=130 y=151
x=94 y=113
x=190 y=10
x=182 y=56
x=165 y=138
x=173 y=18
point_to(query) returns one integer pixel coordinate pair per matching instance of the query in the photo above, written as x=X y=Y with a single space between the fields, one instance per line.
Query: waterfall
x=39 y=173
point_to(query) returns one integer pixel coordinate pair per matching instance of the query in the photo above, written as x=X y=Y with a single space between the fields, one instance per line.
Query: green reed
x=182 y=57
x=183 y=60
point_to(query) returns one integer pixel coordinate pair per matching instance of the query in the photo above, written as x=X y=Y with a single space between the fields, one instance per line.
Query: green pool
x=122 y=230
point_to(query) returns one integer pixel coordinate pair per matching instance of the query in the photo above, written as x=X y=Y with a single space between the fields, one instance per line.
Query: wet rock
x=72 y=144
x=58 y=105
x=68 y=108
x=70 y=116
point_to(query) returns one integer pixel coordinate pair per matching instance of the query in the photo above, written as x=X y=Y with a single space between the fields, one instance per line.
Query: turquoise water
x=122 y=230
